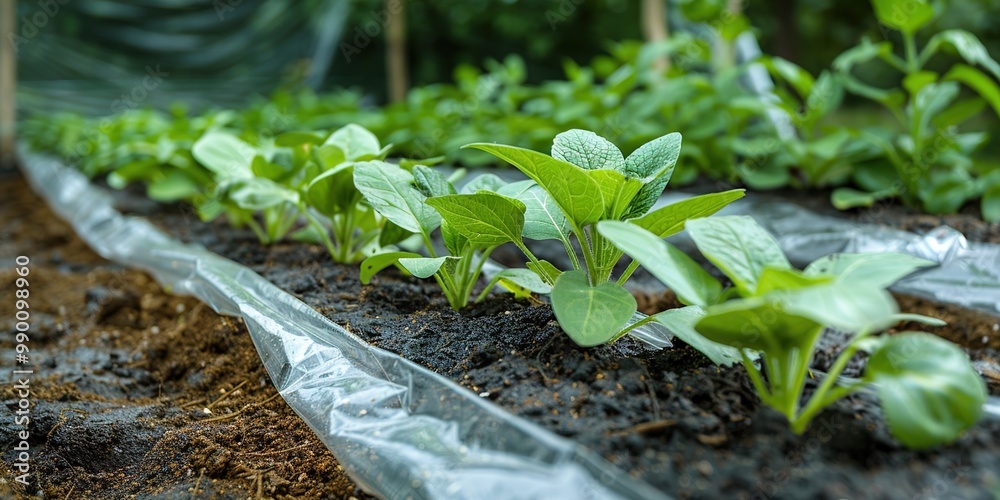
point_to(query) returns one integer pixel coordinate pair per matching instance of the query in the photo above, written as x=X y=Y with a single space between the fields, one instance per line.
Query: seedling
x=585 y=181
x=929 y=391
x=472 y=225
x=932 y=162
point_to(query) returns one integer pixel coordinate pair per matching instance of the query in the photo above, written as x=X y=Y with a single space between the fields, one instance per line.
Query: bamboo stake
x=8 y=80
x=396 y=50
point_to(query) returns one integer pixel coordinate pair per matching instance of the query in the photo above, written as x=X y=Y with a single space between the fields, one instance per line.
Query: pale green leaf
x=930 y=392
x=681 y=322
x=680 y=273
x=739 y=247
x=587 y=150
x=486 y=219
x=670 y=220
x=389 y=189
x=590 y=315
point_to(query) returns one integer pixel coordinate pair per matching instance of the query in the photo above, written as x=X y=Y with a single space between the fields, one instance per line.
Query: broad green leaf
x=617 y=190
x=841 y=305
x=907 y=16
x=333 y=191
x=576 y=193
x=486 y=219
x=680 y=273
x=991 y=204
x=389 y=189
x=654 y=163
x=545 y=270
x=758 y=323
x=959 y=112
x=392 y=234
x=372 y=265
x=590 y=315
x=776 y=278
x=521 y=282
x=259 y=194
x=913 y=82
x=826 y=95
x=876 y=270
x=968 y=47
x=356 y=142
x=486 y=182
x=225 y=155
x=424 y=267
x=930 y=392
x=543 y=220
x=983 y=85
x=656 y=159
x=681 y=322
x=174 y=186
x=329 y=156
x=430 y=182
x=739 y=247
x=798 y=78
x=669 y=220
x=860 y=54
x=587 y=150
x=844 y=198
x=931 y=100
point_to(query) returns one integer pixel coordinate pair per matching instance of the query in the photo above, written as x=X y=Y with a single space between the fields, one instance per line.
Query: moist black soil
x=667 y=417
x=136 y=393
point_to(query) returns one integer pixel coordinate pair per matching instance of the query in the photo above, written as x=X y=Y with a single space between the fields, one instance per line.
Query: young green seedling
x=585 y=181
x=929 y=391
x=472 y=225
x=932 y=162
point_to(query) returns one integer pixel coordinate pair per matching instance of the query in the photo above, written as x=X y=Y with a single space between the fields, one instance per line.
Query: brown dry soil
x=668 y=417
x=136 y=393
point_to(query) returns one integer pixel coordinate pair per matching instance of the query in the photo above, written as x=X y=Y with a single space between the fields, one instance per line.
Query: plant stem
x=633 y=326
x=330 y=247
x=818 y=399
x=912 y=64
x=632 y=266
x=259 y=231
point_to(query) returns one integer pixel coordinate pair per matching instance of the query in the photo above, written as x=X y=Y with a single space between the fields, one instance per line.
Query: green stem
x=477 y=270
x=345 y=236
x=632 y=266
x=588 y=257
x=330 y=247
x=819 y=399
x=912 y=63
x=570 y=252
x=259 y=231
x=633 y=326
x=758 y=381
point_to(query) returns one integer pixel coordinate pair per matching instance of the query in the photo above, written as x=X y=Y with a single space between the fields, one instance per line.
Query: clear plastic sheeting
x=397 y=428
x=968 y=273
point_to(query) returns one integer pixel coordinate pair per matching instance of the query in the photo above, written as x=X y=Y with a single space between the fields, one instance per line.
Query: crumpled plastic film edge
x=397 y=428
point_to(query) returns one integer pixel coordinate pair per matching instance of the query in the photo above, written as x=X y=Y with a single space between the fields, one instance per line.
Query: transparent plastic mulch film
x=399 y=430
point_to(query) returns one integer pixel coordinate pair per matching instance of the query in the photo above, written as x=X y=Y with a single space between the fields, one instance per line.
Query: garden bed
x=143 y=394
x=668 y=417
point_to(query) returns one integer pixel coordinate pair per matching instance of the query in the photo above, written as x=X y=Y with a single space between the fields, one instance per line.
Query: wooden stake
x=654 y=28
x=8 y=80
x=395 y=58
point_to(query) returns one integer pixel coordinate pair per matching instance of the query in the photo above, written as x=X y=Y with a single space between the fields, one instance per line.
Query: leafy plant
x=931 y=158
x=821 y=156
x=585 y=181
x=929 y=391
x=472 y=224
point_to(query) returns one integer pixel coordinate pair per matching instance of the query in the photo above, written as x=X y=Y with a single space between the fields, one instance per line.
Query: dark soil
x=136 y=393
x=667 y=417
